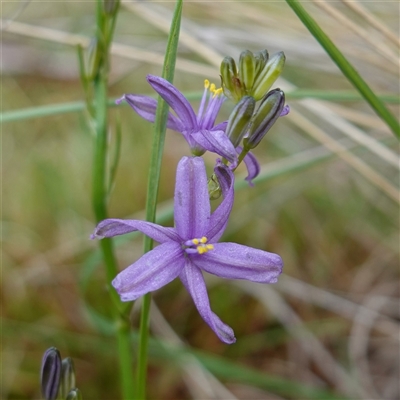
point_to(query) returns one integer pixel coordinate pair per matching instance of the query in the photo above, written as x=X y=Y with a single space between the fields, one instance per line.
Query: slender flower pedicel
x=192 y=245
x=200 y=131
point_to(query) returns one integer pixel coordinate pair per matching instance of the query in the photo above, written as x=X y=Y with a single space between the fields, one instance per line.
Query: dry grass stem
x=324 y=111
x=277 y=306
x=201 y=383
x=378 y=45
x=373 y=20
x=348 y=309
x=160 y=18
x=117 y=49
x=366 y=171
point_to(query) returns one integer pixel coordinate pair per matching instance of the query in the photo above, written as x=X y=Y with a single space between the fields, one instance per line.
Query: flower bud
x=67 y=377
x=229 y=79
x=74 y=394
x=269 y=111
x=50 y=373
x=261 y=58
x=239 y=120
x=268 y=75
x=247 y=69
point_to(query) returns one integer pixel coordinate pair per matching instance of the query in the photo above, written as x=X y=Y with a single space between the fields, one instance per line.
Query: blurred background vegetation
x=326 y=201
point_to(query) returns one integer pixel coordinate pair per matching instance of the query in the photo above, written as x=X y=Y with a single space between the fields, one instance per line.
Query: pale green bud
x=67 y=377
x=229 y=77
x=239 y=120
x=247 y=69
x=261 y=58
x=268 y=75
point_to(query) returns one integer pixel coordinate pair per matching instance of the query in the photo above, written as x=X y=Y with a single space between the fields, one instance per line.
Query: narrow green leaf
x=160 y=126
x=77 y=106
x=344 y=65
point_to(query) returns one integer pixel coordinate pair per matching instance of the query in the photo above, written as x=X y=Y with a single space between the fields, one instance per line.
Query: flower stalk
x=159 y=129
x=97 y=75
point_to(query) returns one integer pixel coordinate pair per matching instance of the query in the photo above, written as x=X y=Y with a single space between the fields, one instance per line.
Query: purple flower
x=191 y=246
x=200 y=131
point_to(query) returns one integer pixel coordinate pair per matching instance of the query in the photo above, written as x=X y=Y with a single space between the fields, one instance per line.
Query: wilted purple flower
x=200 y=131
x=191 y=246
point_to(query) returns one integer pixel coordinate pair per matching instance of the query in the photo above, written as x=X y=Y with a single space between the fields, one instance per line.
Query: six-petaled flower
x=191 y=246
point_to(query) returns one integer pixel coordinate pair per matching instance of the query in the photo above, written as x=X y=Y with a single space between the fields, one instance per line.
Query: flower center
x=197 y=246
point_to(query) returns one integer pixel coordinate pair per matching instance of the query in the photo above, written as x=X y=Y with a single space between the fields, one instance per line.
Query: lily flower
x=192 y=247
x=200 y=131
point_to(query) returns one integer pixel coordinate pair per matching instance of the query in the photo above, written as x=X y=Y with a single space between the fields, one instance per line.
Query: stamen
x=206 y=83
x=198 y=246
x=217 y=92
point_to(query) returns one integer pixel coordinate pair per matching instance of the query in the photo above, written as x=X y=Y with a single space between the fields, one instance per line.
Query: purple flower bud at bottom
x=50 y=373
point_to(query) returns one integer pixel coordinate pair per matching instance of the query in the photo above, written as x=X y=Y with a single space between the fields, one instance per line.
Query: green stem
x=152 y=189
x=347 y=69
x=99 y=75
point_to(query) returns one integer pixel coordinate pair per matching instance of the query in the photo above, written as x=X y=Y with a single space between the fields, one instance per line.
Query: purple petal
x=191 y=201
x=146 y=107
x=115 y=227
x=193 y=280
x=175 y=99
x=202 y=103
x=213 y=107
x=219 y=218
x=152 y=271
x=285 y=111
x=252 y=165
x=235 y=261
x=221 y=126
x=216 y=142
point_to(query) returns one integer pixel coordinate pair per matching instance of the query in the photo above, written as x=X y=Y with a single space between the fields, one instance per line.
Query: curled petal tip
x=285 y=111
x=120 y=100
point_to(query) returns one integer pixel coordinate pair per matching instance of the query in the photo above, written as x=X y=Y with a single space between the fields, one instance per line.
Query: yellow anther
x=218 y=91
x=210 y=247
x=201 y=250
x=203 y=240
x=196 y=241
x=206 y=83
x=212 y=88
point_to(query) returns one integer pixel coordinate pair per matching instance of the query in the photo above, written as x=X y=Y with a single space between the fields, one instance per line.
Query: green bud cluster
x=256 y=74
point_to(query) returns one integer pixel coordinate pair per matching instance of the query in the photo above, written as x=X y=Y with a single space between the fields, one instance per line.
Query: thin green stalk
x=344 y=65
x=152 y=189
x=99 y=76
